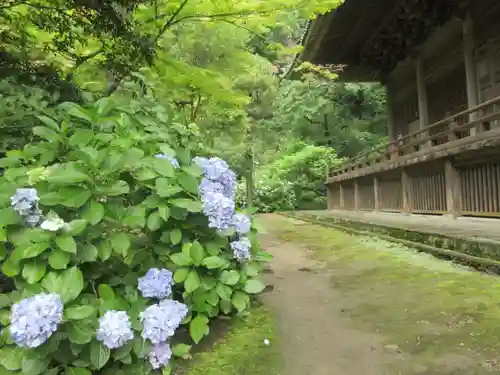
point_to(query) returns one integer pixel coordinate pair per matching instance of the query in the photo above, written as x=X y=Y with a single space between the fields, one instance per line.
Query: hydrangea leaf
x=198 y=327
x=99 y=354
x=254 y=286
x=72 y=284
x=67 y=244
x=230 y=277
x=94 y=213
x=34 y=271
x=79 y=312
x=240 y=300
x=192 y=282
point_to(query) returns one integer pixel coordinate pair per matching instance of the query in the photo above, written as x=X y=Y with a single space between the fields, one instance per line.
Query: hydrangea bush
x=115 y=237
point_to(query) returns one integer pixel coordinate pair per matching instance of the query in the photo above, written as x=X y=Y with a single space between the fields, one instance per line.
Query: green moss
x=433 y=310
x=242 y=351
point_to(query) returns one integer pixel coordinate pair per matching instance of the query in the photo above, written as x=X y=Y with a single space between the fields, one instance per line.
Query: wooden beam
x=453 y=189
x=376 y=192
x=356 y=196
x=342 y=196
x=407 y=193
x=470 y=67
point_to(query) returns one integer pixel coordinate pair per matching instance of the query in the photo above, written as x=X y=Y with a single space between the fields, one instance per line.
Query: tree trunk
x=249 y=178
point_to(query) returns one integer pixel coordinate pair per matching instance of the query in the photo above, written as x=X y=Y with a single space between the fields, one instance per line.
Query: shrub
x=109 y=246
x=269 y=196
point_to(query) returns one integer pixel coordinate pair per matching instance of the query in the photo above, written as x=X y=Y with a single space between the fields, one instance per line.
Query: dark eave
x=370 y=37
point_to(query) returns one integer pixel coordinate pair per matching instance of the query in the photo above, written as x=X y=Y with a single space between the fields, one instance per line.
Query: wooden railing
x=478 y=118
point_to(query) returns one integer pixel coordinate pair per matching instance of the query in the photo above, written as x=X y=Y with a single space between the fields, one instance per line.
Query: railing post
x=356 y=195
x=342 y=196
x=453 y=189
x=376 y=193
x=407 y=192
x=470 y=68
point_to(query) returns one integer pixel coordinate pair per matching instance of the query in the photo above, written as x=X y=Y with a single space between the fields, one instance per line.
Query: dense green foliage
x=91 y=90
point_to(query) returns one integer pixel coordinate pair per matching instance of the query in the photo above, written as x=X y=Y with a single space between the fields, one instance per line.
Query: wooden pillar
x=376 y=193
x=423 y=110
x=407 y=192
x=453 y=189
x=356 y=195
x=391 y=130
x=342 y=196
x=330 y=195
x=470 y=67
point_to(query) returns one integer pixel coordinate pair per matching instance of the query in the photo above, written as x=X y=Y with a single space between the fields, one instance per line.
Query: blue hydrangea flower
x=174 y=161
x=242 y=223
x=241 y=249
x=161 y=320
x=156 y=283
x=25 y=203
x=217 y=171
x=115 y=329
x=159 y=355
x=33 y=320
x=219 y=209
x=208 y=186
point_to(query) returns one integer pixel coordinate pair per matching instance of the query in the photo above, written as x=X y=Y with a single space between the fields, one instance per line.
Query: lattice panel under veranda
x=428 y=192
x=348 y=189
x=480 y=189
x=366 y=196
x=391 y=195
x=334 y=196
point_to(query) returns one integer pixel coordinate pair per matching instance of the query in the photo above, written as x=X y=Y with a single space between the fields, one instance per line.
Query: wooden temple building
x=440 y=63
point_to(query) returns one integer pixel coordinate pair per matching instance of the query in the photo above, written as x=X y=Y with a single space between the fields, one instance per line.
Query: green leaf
x=34 y=366
x=208 y=282
x=107 y=295
x=87 y=253
x=46 y=133
x=197 y=252
x=240 y=301
x=76 y=227
x=135 y=217
x=141 y=347
x=120 y=243
x=94 y=213
x=52 y=282
x=164 y=167
x=11 y=358
x=224 y=291
x=99 y=354
x=118 y=188
x=104 y=250
x=188 y=183
x=180 y=275
x=73 y=197
x=76 y=110
x=198 y=328
x=180 y=350
x=79 y=312
x=188 y=204
x=230 y=277
x=81 y=332
x=192 y=282
x=35 y=249
x=123 y=350
x=164 y=189
x=71 y=284
x=66 y=174
x=175 y=236
x=66 y=243
x=144 y=174
x=34 y=271
x=81 y=137
x=181 y=259
x=164 y=213
x=49 y=122
x=252 y=269
x=254 y=286
x=214 y=262
x=10 y=268
x=77 y=371
x=8 y=217
x=154 y=221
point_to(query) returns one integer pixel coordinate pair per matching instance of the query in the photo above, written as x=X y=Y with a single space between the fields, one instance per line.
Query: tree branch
x=170 y=21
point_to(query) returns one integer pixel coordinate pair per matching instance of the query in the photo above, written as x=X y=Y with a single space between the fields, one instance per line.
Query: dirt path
x=346 y=306
x=314 y=336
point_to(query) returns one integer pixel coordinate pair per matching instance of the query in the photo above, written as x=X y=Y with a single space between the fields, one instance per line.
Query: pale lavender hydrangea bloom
x=25 y=203
x=159 y=355
x=115 y=329
x=161 y=320
x=208 y=186
x=241 y=223
x=174 y=161
x=219 y=209
x=217 y=171
x=241 y=249
x=33 y=320
x=156 y=283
